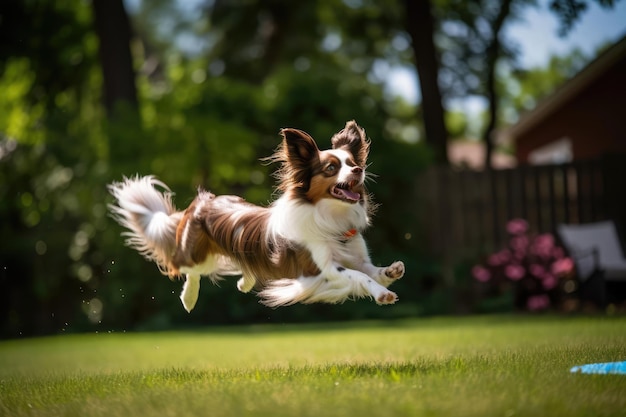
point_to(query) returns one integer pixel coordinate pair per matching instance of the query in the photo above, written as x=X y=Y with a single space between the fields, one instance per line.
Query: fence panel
x=466 y=211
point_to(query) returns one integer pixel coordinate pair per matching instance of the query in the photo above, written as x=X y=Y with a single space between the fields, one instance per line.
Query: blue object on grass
x=601 y=368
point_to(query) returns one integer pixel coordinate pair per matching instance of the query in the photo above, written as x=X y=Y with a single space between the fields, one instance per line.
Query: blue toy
x=601 y=368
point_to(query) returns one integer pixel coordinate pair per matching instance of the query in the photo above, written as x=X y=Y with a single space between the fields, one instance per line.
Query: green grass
x=477 y=366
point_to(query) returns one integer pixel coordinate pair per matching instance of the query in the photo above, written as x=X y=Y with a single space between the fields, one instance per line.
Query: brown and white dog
x=306 y=247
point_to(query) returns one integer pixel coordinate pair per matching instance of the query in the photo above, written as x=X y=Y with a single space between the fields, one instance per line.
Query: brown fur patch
x=230 y=226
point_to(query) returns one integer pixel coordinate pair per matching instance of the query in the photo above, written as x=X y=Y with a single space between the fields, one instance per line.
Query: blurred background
x=479 y=112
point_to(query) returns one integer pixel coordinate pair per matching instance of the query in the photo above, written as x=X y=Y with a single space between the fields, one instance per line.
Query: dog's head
x=337 y=173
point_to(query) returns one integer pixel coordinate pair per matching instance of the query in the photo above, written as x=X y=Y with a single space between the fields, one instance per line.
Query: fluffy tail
x=150 y=217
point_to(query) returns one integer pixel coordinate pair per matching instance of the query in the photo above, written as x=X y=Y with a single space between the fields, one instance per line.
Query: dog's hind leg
x=190 y=292
x=246 y=283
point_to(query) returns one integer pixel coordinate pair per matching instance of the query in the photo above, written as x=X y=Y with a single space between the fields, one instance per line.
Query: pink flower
x=481 y=274
x=538 y=302
x=493 y=259
x=543 y=245
x=549 y=281
x=545 y=239
x=514 y=272
x=519 y=243
x=537 y=270
x=519 y=255
x=558 y=252
x=517 y=226
x=562 y=266
x=499 y=258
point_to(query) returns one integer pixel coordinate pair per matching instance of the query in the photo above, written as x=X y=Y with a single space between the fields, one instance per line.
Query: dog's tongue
x=350 y=195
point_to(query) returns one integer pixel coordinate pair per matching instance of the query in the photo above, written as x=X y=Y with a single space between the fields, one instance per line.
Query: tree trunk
x=420 y=26
x=114 y=33
x=492 y=56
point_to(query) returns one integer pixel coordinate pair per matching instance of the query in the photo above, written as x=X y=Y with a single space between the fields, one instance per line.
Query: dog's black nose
x=357 y=170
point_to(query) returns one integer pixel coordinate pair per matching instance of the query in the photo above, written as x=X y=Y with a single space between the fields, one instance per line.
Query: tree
x=59 y=59
x=421 y=27
x=475 y=49
x=524 y=88
x=114 y=34
x=571 y=11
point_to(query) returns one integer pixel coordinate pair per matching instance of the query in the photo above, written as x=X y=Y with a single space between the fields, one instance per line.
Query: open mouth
x=343 y=191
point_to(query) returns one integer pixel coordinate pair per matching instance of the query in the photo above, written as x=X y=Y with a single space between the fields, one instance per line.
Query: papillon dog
x=306 y=247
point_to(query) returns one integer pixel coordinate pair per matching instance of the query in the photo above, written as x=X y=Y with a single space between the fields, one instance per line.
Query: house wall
x=594 y=120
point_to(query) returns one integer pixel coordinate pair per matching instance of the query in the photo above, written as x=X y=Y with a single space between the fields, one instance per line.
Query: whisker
x=370 y=177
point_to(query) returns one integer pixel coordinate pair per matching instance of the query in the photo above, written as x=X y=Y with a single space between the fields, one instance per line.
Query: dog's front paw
x=395 y=270
x=387 y=297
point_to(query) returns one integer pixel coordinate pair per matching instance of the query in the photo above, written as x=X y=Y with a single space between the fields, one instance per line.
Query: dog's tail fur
x=150 y=217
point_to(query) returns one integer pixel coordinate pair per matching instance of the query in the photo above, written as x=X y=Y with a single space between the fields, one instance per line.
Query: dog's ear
x=353 y=139
x=299 y=146
x=298 y=154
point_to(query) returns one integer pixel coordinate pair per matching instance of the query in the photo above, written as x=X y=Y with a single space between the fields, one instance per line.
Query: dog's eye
x=331 y=168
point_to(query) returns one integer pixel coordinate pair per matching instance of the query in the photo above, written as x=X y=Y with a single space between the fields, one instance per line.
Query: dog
x=306 y=247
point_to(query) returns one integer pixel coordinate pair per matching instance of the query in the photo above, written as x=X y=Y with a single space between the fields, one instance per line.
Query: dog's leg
x=360 y=260
x=368 y=286
x=246 y=283
x=191 y=289
x=361 y=283
x=335 y=284
x=331 y=288
x=385 y=276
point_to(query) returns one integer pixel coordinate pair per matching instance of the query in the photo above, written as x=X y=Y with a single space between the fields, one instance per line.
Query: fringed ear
x=298 y=154
x=299 y=145
x=353 y=139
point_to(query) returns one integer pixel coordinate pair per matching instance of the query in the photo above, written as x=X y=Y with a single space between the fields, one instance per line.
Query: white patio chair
x=596 y=251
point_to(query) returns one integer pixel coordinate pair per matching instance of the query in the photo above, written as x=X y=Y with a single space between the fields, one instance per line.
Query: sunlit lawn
x=478 y=366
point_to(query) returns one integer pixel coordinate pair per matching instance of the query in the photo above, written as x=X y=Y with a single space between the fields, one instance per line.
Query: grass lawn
x=470 y=366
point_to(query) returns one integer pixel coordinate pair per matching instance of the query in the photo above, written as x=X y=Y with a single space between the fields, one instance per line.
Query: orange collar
x=350 y=233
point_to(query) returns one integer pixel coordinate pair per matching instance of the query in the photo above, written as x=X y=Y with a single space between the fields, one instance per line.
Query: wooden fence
x=466 y=212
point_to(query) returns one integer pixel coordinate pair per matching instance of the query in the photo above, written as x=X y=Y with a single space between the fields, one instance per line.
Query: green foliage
x=524 y=89
x=63 y=254
x=17 y=114
x=494 y=365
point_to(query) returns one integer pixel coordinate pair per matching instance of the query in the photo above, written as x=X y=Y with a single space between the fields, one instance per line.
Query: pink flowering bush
x=533 y=264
